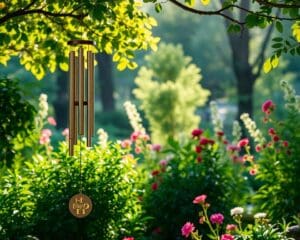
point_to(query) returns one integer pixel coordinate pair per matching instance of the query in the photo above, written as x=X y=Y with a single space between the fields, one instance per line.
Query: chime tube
x=71 y=102
x=81 y=90
x=90 y=101
x=76 y=103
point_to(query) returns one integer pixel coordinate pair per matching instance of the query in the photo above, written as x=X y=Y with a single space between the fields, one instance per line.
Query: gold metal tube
x=81 y=90
x=71 y=101
x=90 y=102
x=76 y=101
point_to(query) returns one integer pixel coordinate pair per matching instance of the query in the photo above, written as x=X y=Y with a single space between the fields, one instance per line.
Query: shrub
x=16 y=118
x=34 y=194
x=170 y=93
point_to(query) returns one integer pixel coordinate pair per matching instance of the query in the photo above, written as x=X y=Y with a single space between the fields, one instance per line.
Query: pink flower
x=227 y=237
x=252 y=171
x=46 y=132
x=200 y=199
x=268 y=106
x=231 y=227
x=65 y=132
x=233 y=148
x=145 y=137
x=217 y=218
x=134 y=136
x=163 y=163
x=243 y=142
x=187 y=229
x=197 y=132
x=257 y=148
x=137 y=150
x=51 y=121
x=126 y=143
x=154 y=186
x=128 y=238
x=156 y=147
x=44 y=139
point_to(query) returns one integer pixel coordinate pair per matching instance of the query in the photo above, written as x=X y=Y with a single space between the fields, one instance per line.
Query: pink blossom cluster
x=45 y=136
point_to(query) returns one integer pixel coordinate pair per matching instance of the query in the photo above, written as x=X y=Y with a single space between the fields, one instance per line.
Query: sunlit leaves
x=205 y=2
x=296 y=31
x=270 y=64
x=118 y=27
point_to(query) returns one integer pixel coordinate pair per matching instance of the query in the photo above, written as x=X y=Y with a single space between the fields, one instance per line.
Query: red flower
x=154 y=186
x=285 y=143
x=268 y=106
x=128 y=238
x=197 y=132
x=134 y=136
x=199 y=159
x=227 y=237
x=271 y=131
x=198 y=149
x=243 y=142
x=200 y=199
x=217 y=218
x=275 y=138
x=155 y=172
x=187 y=229
x=220 y=133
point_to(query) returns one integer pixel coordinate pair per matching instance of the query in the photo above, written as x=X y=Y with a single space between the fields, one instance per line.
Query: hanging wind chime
x=81 y=112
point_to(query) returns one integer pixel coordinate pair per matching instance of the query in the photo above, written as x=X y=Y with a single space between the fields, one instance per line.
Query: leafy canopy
x=37 y=31
x=250 y=14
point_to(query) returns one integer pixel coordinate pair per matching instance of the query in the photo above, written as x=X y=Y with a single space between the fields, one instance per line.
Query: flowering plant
x=261 y=229
x=276 y=161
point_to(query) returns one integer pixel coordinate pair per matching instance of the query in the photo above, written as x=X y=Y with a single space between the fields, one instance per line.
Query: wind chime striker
x=81 y=112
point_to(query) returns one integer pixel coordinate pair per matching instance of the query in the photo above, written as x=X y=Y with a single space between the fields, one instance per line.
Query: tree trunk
x=242 y=67
x=106 y=82
x=61 y=102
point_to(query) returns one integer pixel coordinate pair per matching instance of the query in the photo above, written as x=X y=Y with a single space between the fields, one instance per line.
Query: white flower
x=260 y=215
x=236 y=211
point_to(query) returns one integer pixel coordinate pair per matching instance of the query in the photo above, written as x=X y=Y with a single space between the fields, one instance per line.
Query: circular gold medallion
x=80 y=205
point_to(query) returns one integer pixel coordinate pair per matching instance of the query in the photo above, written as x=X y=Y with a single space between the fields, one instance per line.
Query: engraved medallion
x=80 y=205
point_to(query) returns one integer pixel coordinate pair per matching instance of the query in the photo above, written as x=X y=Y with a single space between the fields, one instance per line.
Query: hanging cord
x=80 y=168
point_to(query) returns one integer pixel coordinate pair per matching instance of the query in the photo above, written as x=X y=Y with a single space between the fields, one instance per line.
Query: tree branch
x=277 y=5
x=221 y=11
x=39 y=11
x=201 y=12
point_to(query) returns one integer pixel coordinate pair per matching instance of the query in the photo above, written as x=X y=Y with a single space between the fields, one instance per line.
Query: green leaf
x=277 y=45
x=158 y=7
x=277 y=39
x=279 y=26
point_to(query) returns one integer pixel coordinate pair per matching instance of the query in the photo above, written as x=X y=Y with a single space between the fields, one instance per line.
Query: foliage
x=277 y=158
x=16 y=118
x=34 y=194
x=260 y=230
x=170 y=93
x=199 y=165
x=38 y=31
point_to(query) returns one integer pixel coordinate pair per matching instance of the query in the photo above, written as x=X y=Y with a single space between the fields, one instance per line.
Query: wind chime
x=81 y=111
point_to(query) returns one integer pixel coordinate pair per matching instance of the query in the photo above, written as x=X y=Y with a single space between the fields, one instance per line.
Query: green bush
x=170 y=93
x=34 y=200
x=16 y=118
